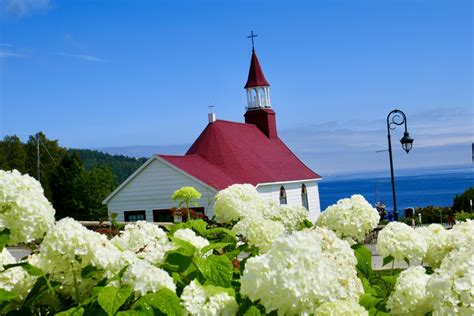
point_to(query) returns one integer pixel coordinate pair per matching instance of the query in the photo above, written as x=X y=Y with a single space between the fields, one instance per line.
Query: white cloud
x=23 y=8
x=82 y=57
x=5 y=53
x=353 y=144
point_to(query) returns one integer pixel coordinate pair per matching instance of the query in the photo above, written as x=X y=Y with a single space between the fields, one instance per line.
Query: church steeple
x=259 y=109
x=258 y=89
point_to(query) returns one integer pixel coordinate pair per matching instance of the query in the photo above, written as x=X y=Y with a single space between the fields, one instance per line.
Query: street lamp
x=394 y=118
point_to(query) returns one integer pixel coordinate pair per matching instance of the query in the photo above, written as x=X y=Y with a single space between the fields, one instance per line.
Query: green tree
x=66 y=185
x=462 y=202
x=13 y=153
x=99 y=182
x=50 y=155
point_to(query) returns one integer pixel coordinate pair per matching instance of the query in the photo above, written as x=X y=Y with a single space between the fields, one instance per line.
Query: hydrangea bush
x=350 y=218
x=257 y=258
x=25 y=213
x=400 y=241
x=410 y=296
x=301 y=271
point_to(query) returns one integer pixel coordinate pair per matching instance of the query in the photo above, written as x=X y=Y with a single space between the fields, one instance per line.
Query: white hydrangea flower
x=461 y=236
x=24 y=209
x=452 y=284
x=259 y=232
x=410 y=296
x=68 y=248
x=301 y=271
x=290 y=216
x=238 y=201
x=207 y=300
x=146 y=239
x=146 y=278
x=401 y=241
x=341 y=308
x=190 y=236
x=350 y=218
x=438 y=244
x=14 y=280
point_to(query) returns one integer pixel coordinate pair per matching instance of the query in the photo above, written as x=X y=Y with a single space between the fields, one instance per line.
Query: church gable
x=151 y=188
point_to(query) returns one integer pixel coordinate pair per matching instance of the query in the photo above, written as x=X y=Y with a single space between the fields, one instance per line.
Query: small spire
x=252 y=37
x=256 y=78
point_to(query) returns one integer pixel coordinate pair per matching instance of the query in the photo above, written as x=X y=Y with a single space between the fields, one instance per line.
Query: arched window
x=304 y=197
x=283 y=196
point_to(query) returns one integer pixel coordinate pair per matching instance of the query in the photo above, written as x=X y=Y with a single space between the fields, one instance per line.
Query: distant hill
x=145 y=150
x=122 y=166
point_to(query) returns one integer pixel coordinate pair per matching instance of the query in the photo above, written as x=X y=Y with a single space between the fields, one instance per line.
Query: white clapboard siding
x=152 y=188
x=293 y=194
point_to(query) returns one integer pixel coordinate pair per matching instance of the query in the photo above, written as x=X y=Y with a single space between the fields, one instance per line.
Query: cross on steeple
x=210 y=107
x=252 y=36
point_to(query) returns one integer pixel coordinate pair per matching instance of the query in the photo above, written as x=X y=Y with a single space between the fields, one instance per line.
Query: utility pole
x=38 y=157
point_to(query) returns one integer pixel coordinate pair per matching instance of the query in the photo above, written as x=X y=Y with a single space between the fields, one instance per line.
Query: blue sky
x=103 y=74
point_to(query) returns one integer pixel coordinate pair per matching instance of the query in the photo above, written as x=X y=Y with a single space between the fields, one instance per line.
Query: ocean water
x=414 y=188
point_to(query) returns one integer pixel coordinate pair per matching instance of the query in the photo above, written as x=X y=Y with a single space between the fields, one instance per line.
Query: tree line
x=76 y=181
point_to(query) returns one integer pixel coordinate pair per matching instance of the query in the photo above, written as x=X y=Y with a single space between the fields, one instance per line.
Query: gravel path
x=377 y=260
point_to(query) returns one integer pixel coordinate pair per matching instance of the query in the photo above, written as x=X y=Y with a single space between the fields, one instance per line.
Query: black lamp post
x=394 y=118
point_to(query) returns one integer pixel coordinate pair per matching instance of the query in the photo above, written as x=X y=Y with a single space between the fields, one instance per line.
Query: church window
x=133 y=216
x=304 y=196
x=163 y=215
x=283 y=196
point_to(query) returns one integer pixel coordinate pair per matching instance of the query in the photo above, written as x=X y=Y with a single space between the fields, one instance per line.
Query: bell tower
x=259 y=109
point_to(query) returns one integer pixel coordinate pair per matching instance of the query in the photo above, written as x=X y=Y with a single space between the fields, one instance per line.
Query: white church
x=225 y=153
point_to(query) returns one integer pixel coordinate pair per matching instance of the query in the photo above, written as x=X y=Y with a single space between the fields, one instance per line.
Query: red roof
x=256 y=77
x=227 y=153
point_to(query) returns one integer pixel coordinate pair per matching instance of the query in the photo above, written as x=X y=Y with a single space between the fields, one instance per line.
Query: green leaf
x=217 y=270
x=6 y=296
x=88 y=272
x=74 y=311
x=219 y=245
x=364 y=259
x=144 y=308
x=132 y=313
x=165 y=300
x=387 y=260
x=198 y=225
x=305 y=224
x=4 y=237
x=368 y=301
x=221 y=234
x=32 y=270
x=367 y=287
x=390 y=279
x=40 y=290
x=175 y=261
x=407 y=261
x=111 y=298
x=185 y=247
x=232 y=254
x=252 y=311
